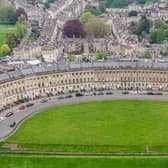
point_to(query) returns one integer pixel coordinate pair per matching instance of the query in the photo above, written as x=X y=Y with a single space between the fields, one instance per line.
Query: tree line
x=10 y=15
x=18 y=18
x=103 y=4
x=155 y=31
x=124 y=3
x=87 y=26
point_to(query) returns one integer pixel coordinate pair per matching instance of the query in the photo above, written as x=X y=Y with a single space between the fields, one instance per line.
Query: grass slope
x=109 y=126
x=27 y=161
x=3 y=30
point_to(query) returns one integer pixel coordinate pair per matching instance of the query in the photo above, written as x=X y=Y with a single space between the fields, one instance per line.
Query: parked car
x=43 y=101
x=100 y=93
x=150 y=93
x=125 y=92
x=2 y=119
x=9 y=114
x=22 y=107
x=79 y=94
x=13 y=124
x=61 y=97
x=29 y=104
x=109 y=93
x=158 y=93
x=88 y=94
x=68 y=96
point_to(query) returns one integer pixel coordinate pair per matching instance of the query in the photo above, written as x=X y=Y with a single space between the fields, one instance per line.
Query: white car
x=133 y=92
x=2 y=119
x=88 y=94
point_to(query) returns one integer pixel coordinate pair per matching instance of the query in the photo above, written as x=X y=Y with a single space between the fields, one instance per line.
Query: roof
x=35 y=70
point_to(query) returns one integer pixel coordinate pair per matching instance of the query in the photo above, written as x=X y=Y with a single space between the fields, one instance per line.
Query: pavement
x=20 y=115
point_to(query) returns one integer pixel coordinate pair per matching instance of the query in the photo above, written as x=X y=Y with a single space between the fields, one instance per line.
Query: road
x=19 y=116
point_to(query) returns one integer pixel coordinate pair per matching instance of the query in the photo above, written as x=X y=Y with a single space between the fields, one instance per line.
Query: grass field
x=110 y=126
x=3 y=30
x=27 y=161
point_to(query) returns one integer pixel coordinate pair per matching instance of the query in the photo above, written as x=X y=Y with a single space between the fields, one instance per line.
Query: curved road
x=19 y=116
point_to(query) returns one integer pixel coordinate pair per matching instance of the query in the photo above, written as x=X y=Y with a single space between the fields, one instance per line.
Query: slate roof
x=145 y=64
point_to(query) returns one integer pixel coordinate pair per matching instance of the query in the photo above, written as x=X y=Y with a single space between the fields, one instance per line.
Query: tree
x=96 y=28
x=21 y=12
x=124 y=3
x=118 y=3
x=5 y=49
x=101 y=56
x=147 y=54
x=86 y=17
x=71 y=57
x=73 y=28
x=85 y=59
x=11 y=40
x=22 y=20
x=157 y=36
x=102 y=6
x=142 y=1
x=143 y=25
x=164 y=52
x=20 y=30
x=21 y=26
x=93 y=9
x=166 y=32
x=133 y=27
x=133 y=13
x=8 y=14
x=46 y=5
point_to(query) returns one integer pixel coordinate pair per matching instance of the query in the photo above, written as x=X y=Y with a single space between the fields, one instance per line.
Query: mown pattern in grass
x=27 y=161
x=109 y=126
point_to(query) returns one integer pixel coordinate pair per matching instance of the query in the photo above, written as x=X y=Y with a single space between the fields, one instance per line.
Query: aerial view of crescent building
x=83 y=83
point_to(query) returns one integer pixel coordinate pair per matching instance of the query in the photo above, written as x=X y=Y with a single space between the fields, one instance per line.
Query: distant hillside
x=123 y=3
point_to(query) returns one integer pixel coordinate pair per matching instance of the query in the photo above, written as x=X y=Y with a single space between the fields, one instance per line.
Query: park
x=118 y=126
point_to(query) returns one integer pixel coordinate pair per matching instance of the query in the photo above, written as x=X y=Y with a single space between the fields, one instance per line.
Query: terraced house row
x=57 y=79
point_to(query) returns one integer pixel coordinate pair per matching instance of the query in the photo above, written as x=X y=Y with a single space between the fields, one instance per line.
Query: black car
x=150 y=93
x=109 y=93
x=79 y=94
x=13 y=124
x=29 y=104
x=125 y=92
x=9 y=114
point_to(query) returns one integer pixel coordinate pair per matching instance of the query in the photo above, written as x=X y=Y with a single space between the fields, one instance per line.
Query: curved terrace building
x=60 y=78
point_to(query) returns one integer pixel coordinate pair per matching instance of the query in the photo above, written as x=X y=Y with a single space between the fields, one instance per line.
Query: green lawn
x=27 y=161
x=3 y=30
x=109 y=126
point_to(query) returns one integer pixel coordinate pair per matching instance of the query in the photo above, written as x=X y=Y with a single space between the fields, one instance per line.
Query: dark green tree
x=133 y=13
x=157 y=36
